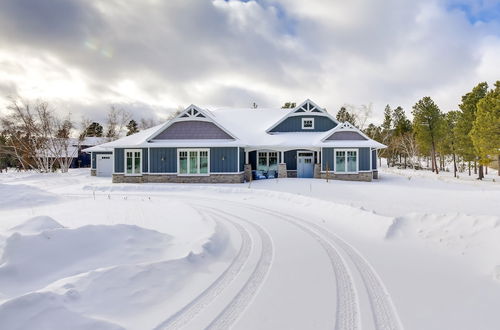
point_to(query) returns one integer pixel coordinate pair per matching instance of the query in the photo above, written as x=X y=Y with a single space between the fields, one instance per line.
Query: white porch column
x=282 y=157
x=246 y=157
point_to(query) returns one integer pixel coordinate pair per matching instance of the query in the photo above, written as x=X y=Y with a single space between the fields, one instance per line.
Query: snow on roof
x=249 y=127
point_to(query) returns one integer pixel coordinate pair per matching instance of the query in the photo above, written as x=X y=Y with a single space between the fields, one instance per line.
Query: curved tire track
x=188 y=312
x=243 y=298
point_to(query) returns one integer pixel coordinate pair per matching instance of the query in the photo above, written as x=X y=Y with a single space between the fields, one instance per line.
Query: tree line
x=467 y=138
x=34 y=136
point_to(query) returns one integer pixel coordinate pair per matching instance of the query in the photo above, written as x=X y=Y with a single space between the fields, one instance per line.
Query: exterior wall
x=119 y=160
x=163 y=160
x=374 y=159
x=242 y=159
x=364 y=159
x=291 y=160
x=145 y=159
x=230 y=162
x=94 y=156
x=173 y=178
x=328 y=159
x=294 y=124
x=193 y=130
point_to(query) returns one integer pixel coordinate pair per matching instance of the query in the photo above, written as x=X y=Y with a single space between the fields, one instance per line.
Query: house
x=234 y=145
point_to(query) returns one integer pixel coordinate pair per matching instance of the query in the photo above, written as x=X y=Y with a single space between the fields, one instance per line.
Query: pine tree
x=343 y=115
x=428 y=126
x=468 y=107
x=132 y=127
x=386 y=134
x=485 y=132
x=94 y=129
x=448 y=143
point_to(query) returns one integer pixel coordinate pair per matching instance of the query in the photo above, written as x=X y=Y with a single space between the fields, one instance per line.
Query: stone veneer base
x=361 y=176
x=375 y=174
x=173 y=178
x=93 y=172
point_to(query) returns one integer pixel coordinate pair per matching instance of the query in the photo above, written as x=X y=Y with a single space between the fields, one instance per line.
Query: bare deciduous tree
x=116 y=122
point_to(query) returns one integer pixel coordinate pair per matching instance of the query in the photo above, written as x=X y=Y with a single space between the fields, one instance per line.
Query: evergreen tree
x=132 y=127
x=289 y=105
x=401 y=123
x=485 y=132
x=447 y=145
x=468 y=107
x=343 y=115
x=428 y=126
x=94 y=129
x=386 y=135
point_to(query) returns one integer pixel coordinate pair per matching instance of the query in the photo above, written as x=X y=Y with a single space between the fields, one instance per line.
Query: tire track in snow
x=384 y=312
x=347 y=312
x=243 y=298
x=188 y=312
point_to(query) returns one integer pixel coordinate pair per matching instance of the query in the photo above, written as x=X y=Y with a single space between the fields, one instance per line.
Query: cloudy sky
x=153 y=56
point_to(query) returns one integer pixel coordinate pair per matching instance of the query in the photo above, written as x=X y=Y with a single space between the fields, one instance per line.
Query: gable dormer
x=306 y=117
x=346 y=131
x=193 y=123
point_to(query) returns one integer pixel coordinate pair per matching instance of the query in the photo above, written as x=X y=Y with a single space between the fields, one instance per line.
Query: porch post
x=247 y=169
x=282 y=157
x=246 y=157
x=282 y=173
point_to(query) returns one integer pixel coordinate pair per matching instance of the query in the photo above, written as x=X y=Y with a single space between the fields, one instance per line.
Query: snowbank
x=21 y=195
x=474 y=237
x=32 y=261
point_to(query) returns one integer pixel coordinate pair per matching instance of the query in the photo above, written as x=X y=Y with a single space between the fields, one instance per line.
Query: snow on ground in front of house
x=79 y=252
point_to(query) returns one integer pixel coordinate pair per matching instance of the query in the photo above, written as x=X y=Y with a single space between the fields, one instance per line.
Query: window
x=307 y=123
x=193 y=162
x=346 y=161
x=267 y=161
x=133 y=161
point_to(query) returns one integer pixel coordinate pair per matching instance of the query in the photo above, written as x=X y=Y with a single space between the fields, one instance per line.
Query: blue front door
x=305 y=165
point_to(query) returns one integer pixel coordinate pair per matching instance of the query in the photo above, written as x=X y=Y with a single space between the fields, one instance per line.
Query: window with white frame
x=133 y=161
x=193 y=161
x=307 y=123
x=267 y=161
x=346 y=161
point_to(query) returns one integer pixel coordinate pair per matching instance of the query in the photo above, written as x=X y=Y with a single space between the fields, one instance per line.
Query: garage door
x=104 y=165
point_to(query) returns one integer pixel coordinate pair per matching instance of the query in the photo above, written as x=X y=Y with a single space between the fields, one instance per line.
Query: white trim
x=293 y=113
x=133 y=164
x=92 y=161
x=345 y=155
x=198 y=151
x=226 y=173
x=308 y=119
x=267 y=152
x=247 y=157
x=345 y=127
x=238 y=160
x=149 y=160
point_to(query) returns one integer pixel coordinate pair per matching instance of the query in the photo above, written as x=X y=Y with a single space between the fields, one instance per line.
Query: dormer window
x=307 y=123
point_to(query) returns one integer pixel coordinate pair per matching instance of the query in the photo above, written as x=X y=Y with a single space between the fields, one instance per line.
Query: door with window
x=133 y=162
x=305 y=164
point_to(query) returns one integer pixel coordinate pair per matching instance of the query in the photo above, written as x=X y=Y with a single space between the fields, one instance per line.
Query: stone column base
x=93 y=172
x=248 y=172
x=317 y=171
x=375 y=174
x=282 y=171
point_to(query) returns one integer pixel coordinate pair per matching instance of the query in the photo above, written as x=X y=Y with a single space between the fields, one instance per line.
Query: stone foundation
x=361 y=176
x=375 y=174
x=93 y=172
x=291 y=174
x=282 y=173
x=248 y=172
x=173 y=178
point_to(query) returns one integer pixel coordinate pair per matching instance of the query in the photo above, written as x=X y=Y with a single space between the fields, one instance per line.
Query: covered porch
x=272 y=162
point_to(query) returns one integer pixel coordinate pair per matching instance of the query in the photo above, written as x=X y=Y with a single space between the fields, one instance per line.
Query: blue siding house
x=237 y=145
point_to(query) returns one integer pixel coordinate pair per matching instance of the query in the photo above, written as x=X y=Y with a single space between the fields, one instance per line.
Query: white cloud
x=155 y=56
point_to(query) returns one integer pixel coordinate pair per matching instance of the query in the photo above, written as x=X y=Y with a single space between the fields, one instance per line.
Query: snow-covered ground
x=410 y=250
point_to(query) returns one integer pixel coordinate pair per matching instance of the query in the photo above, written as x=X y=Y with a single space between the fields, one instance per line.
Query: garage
x=104 y=165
